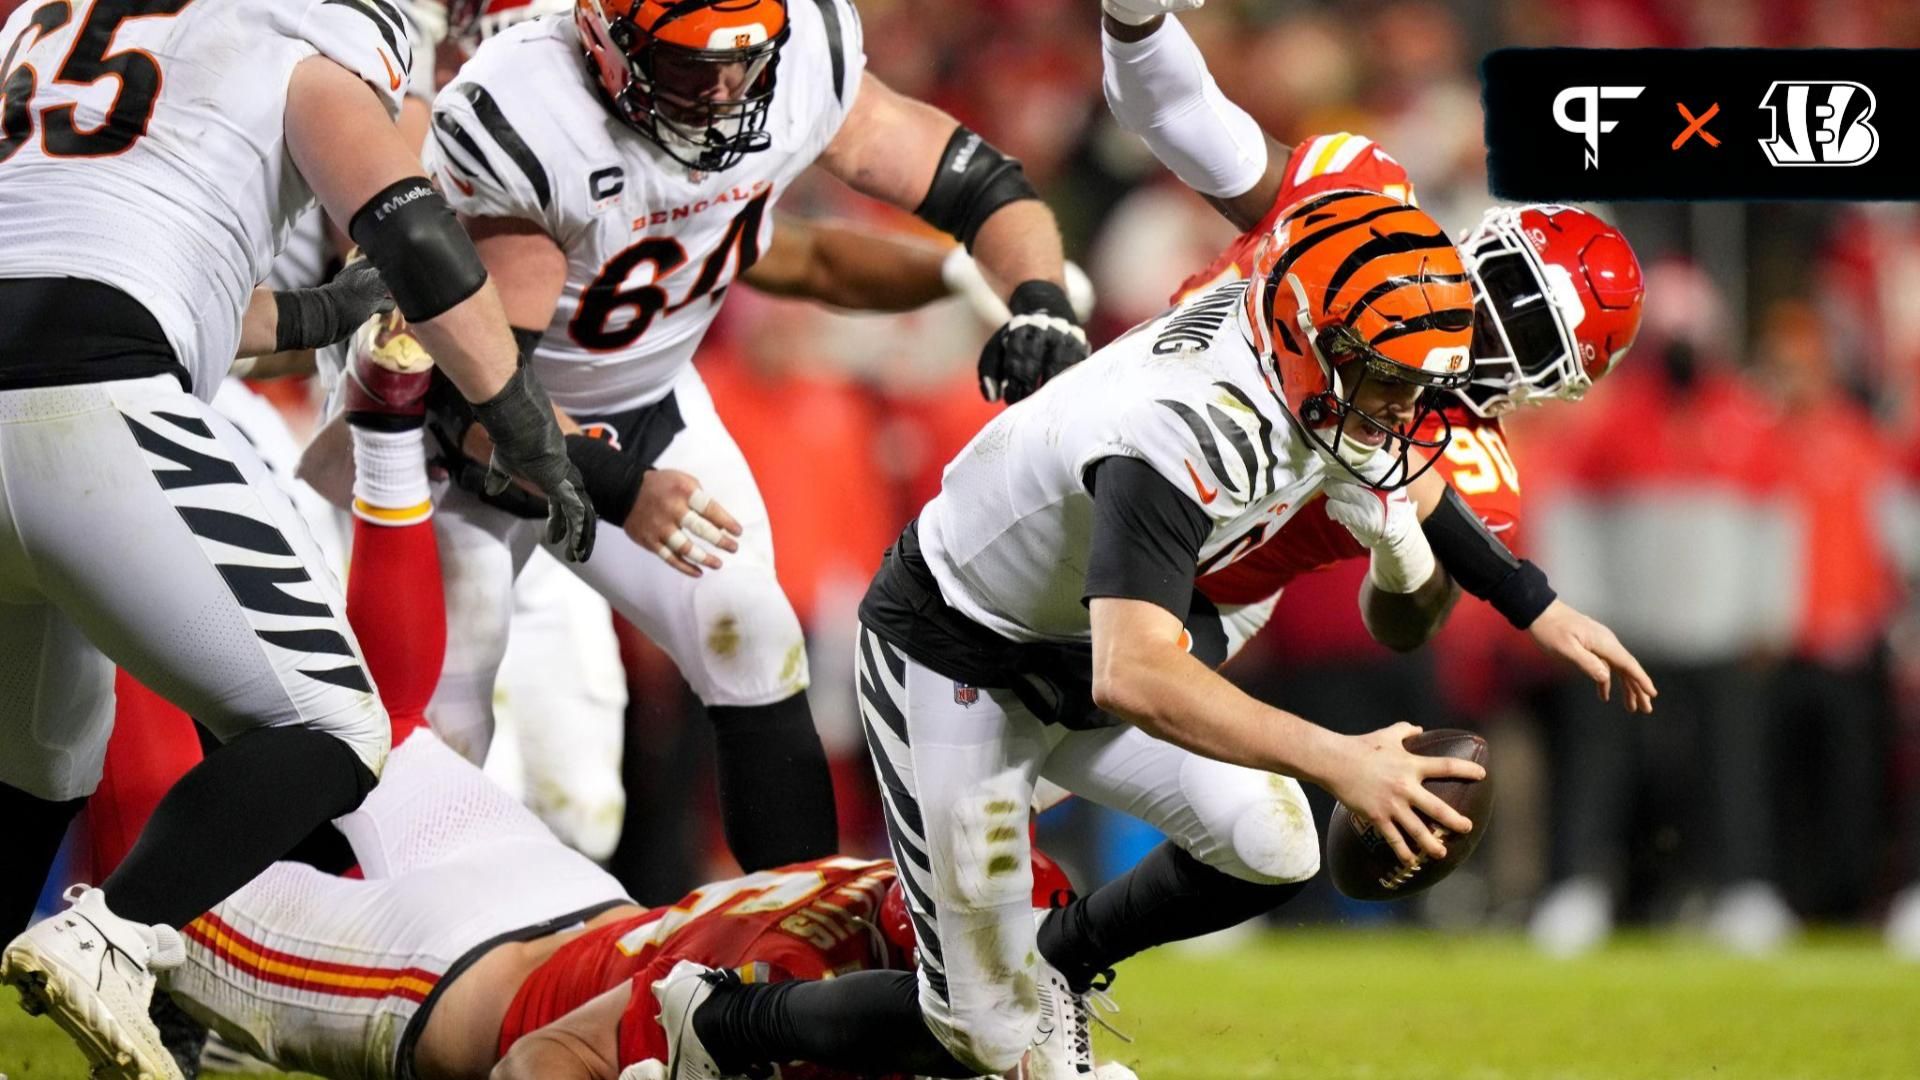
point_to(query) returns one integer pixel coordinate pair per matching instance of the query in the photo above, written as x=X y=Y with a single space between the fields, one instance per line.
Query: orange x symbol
x=1697 y=125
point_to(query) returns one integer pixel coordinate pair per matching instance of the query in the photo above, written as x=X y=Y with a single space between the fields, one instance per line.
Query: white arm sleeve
x=1159 y=88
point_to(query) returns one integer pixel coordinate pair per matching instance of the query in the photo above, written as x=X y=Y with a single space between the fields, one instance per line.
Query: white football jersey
x=525 y=132
x=1008 y=537
x=152 y=156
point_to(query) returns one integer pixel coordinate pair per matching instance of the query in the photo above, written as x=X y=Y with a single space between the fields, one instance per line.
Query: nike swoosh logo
x=465 y=188
x=393 y=78
x=1206 y=494
x=1500 y=528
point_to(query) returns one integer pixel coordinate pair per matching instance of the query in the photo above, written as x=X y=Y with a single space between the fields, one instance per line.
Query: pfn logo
x=1588 y=124
x=1825 y=124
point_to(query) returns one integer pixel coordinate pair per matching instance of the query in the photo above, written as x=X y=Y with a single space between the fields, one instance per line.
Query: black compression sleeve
x=1483 y=565
x=410 y=234
x=973 y=180
x=1146 y=536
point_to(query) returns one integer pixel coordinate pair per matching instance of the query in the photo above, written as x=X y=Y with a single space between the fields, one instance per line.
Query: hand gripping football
x=1364 y=867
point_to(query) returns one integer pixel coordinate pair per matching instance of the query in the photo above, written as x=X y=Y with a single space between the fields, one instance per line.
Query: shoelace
x=1093 y=1003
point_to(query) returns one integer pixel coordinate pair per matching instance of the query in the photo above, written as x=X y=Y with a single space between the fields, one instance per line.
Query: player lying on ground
x=1557 y=296
x=618 y=170
x=139 y=528
x=475 y=944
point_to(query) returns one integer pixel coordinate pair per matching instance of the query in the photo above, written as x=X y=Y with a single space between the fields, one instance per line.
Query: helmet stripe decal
x=1399 y=281
x=1328 y=199
x=1380 y=247
x=1308 y=243
x=1450 y=319
x=495 y=121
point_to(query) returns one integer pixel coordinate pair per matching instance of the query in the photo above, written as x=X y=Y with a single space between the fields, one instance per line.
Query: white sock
x=390 y=476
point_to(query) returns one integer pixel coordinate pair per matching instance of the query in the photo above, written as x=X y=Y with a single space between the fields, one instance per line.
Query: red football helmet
x=1557 y=295
x=471 y=22
x=1050 y=889
x=693 y=76
x=1354 y=275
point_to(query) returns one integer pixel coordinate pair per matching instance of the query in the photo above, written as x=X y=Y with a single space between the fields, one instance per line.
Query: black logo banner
x=1686 y=124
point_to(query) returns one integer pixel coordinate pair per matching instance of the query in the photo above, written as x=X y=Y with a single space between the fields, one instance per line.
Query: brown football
x=1364 y=867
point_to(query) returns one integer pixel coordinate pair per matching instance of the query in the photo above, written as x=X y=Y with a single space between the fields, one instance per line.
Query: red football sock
x=153 y=745
x=399 y=615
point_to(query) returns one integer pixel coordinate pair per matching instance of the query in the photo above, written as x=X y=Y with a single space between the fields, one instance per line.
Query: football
x=1363 y=865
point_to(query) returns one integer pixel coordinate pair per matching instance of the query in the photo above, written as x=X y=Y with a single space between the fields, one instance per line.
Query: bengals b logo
x=1820 y=123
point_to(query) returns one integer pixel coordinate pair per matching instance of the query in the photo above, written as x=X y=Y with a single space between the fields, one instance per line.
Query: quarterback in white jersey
x=146 y=179
x=618 y=171
x=1031 y=624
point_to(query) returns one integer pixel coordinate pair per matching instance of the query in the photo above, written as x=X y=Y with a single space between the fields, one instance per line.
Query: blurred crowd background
x=1740 y=500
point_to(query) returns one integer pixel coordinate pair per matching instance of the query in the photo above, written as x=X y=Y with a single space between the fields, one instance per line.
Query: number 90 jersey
x=651 y=246
x=144 y=146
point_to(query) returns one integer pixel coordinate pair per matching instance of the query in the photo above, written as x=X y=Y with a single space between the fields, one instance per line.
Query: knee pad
x=747 y=648
x=989 y=861
x=1258 y=826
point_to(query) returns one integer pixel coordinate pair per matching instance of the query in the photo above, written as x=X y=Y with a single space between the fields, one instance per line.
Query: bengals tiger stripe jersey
x=811 y=920
x=651 y=246
x=144 y=146
x=1009 y=535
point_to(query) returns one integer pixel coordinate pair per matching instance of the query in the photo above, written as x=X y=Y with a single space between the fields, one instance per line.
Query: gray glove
x=527 y=443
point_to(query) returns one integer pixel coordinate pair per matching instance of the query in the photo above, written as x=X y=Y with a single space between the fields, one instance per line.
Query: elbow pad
x=426 y=258
x=1483 y=565
x=974 y=180
x=1159 y=88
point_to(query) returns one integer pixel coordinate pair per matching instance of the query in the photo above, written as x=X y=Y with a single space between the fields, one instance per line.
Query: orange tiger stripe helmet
x=693 y=76
x=1356 y=283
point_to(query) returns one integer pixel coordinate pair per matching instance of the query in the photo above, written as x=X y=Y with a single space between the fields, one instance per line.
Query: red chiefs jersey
x=806 y=921
x=1476 y=463
x=1322 y=163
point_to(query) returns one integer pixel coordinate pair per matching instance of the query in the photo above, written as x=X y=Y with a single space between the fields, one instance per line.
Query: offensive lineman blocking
x=140 y=528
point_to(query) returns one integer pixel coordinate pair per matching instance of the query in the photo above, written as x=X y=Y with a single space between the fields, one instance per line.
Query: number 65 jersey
x=143 y=146
x=651 y=246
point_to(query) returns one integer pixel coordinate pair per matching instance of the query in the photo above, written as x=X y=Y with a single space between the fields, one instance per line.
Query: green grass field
x=1365 y=1006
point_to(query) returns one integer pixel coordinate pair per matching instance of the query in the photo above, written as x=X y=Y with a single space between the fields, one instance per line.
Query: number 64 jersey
x=143 y=146
x=651 y=246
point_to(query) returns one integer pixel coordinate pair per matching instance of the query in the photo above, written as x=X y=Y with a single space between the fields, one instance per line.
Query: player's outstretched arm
x=918 y=158
x=582 y=1045
x=849 y=266
x=363 y=173
x=1159 y=88
x=1517 y=589
x=1142 y=674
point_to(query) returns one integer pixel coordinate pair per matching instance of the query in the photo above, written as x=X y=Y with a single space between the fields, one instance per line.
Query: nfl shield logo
x=965 y=695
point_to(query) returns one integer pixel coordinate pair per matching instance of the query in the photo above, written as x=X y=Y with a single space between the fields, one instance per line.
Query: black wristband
x=1041 y=297
x=306 y=320
x=1523 y=595
x=612 y=477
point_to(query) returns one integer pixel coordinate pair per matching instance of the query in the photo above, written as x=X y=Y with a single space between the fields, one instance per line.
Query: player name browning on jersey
x=1195 y=325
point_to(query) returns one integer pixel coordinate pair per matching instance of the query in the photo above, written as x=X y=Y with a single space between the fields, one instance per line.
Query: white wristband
x=1403 y=564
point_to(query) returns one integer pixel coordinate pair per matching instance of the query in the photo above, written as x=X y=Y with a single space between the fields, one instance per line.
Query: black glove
x=1040 y=341
x=316 y=318
x=527 y=441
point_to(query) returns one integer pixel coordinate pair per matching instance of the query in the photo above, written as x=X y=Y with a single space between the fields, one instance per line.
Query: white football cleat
x=1113 y=1070
x=93 y=973
x=1573 y=919
x=1903 y=924
x=680 y=995
x=1063 y=1045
